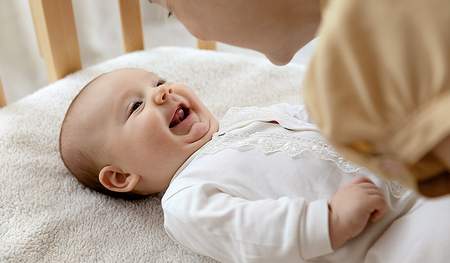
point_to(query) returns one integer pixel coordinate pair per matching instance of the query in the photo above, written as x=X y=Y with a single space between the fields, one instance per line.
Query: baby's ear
x=114 y=179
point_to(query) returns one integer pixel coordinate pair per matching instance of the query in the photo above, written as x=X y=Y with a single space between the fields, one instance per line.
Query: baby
x=264 y=186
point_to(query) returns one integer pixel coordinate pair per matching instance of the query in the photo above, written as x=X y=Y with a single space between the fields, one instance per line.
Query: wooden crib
x=2 y=95
x=56 y=34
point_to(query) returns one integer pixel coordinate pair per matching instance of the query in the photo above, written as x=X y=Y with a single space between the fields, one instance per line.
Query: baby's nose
x=162 y=94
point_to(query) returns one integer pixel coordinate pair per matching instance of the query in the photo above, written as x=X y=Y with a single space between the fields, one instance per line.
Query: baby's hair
x=82 y=159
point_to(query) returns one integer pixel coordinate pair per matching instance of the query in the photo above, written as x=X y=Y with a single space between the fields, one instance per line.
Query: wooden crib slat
x=55 y=29
x=210 y=45
x=130 y=18
x=2 y=96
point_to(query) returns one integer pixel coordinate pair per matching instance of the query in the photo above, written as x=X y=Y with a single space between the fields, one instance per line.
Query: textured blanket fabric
x=47 y=216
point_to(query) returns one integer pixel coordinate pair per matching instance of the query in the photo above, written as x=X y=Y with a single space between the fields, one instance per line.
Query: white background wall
x=22 y=71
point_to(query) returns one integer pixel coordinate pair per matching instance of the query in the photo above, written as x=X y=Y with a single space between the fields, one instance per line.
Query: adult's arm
x=378 y=86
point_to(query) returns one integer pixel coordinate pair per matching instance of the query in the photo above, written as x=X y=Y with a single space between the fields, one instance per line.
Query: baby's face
x=147 y=126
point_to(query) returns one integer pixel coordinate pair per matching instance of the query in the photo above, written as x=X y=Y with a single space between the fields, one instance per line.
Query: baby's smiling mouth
x=180 y=114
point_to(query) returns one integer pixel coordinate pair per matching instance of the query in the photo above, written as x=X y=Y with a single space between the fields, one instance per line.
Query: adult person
x=377 y=85
x=278 y=29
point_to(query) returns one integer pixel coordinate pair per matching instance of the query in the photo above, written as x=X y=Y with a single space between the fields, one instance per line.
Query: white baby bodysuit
x=259 y=192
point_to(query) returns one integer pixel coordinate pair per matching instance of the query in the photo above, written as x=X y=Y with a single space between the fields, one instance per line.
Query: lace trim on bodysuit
x=397 y=189
x=237 y=114
x=269 y=142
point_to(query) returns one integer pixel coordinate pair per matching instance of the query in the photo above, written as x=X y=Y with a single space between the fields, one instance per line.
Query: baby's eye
x=136 y=106
x=160 y=82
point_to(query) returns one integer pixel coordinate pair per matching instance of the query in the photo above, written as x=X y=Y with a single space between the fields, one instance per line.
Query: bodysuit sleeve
x=378 y=84
x=207 y=220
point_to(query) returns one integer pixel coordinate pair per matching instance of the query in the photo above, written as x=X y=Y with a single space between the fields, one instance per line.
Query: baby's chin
x=199 y=132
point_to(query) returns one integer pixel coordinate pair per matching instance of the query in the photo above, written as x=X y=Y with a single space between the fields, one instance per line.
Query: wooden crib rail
x=55 y=29
x=210 y=45
x=131 y=22
x=54 y=24
x=2 y=96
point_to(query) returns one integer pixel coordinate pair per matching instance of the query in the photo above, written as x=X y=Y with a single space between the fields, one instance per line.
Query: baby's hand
x=351 y=207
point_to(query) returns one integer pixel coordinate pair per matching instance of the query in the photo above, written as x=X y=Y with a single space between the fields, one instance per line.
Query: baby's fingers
x=380 y=209
x=377 y=203
x=360 y=179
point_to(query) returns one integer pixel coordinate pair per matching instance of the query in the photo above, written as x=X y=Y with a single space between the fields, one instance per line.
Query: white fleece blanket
x=47 y=216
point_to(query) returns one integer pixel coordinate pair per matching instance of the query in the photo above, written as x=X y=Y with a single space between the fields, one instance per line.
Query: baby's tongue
x=177 y=118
